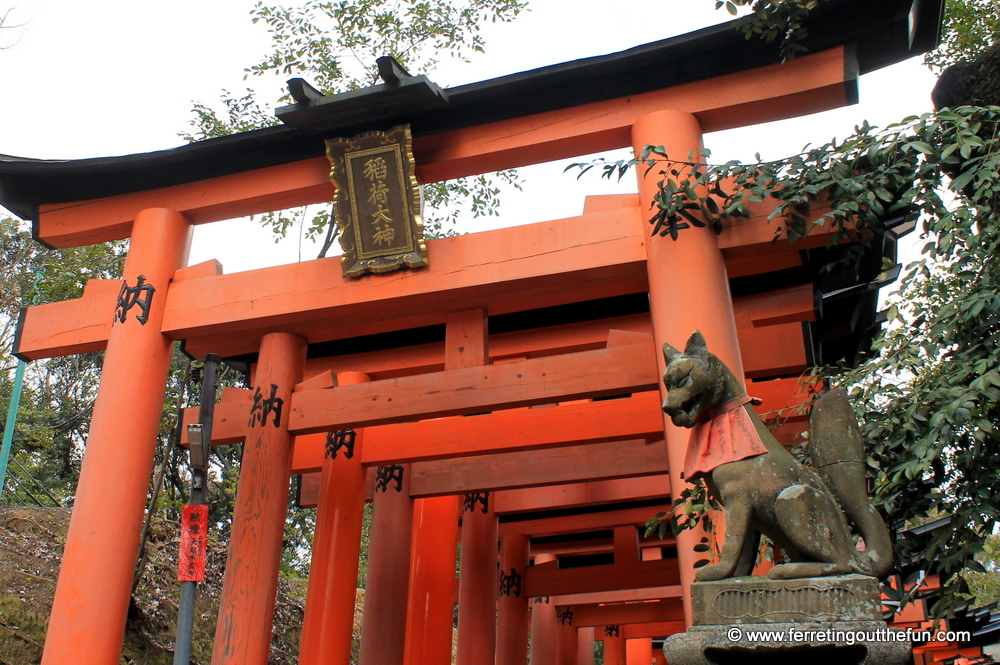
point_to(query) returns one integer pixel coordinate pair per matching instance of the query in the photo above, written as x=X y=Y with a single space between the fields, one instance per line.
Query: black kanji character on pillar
x=538 y=600
x=343 y=439
x=472 y=498
x=611 y=631
x=141 y=294
x=387 y=474
x=261 y=408
x=565 y=615
x=510 y=585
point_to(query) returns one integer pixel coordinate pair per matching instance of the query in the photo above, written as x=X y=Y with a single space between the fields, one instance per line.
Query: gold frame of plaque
x=377 y=204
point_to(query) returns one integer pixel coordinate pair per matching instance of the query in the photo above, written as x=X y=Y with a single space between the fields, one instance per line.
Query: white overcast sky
x=113 y=77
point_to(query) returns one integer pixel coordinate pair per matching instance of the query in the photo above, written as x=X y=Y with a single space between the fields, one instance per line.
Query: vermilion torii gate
x=553 y=314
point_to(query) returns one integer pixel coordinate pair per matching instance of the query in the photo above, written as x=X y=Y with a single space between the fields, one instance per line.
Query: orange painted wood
x=553 y=526
x=229 y=424
x=210 y=268
x=670 y=609
x=309 y=489
x=431 y=603
x=477 y=590
x=773 y=351
x=608 y=284
x=430 y=612
x=600 y=373
x=502 y=271
x=585 y=646
x=425 y=358
x=734 y=100
x=808 y=84
x=92 y=595
x=517 y=429
x=581 y=494
x=605 y=202
x=638 y=651
x=226 y=197
x=789 y=305
x=781 y=395
x=383 y=623
x=512 y=602
x=661 y=629
x=542 y=644
x=621 y=596
x=615 y=652
x=566 y=644
x=467 y=344
x=545 y=581
x=487 y=473
x=71 y=326
x=246 y=610
x=327 y=628
x=688 y=291
x=319 y=381
x=783 y=257
x=626 y=544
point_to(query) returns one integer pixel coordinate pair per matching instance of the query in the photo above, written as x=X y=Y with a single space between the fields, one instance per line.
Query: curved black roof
x=881 y=32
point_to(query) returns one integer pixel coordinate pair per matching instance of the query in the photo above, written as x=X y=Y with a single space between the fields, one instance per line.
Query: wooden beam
x=600 y=373
x=554 y=526
x=655 y=611
x=636 y=631
x=581 y=494
x=426 y=358
x=622 y=596
x=808 y=84
x=71 y=326
x=502 y=271
x=514 y=430
x=488 y=473
x=546 y=580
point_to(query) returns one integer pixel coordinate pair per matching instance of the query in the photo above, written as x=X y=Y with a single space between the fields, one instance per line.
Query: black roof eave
x=882 y=38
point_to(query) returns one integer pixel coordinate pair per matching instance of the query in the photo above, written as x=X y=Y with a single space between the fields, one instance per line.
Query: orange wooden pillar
x=383 y=624
x=585 y=646
x=688 y=291
x=430 y=614
x=246 y=607
x=614 y=646
x=512 y=605
x=543 y=624
x=567 y=643
x=91 y=601
x=327 y=629
x=477 y=589
x=639 y=651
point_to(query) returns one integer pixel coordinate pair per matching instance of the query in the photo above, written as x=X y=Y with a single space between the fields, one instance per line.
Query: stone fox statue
x=763 y=488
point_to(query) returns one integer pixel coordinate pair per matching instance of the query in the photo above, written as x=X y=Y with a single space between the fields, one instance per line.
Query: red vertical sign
x=194 y=533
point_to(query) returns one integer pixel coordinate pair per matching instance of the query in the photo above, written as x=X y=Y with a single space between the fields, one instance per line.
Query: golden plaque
x=377 y=204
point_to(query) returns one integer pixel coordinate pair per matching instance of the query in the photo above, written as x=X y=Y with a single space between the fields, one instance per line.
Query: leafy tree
x=58 y=393
x=334 y=45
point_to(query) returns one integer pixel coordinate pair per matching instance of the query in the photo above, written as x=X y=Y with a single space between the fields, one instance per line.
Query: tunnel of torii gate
x=505 y=397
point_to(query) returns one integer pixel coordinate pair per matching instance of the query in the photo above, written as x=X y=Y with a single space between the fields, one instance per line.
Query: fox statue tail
x=839 y=457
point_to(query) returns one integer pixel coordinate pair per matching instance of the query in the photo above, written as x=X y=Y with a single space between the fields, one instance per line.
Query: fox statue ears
x=695 y=346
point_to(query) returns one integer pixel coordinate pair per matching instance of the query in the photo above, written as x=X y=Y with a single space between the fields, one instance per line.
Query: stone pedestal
x=801 y=643
x=815 y=621
x=762 y=600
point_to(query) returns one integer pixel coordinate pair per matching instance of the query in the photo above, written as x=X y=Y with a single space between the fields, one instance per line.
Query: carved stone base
x=762 y=600
x=809 y=643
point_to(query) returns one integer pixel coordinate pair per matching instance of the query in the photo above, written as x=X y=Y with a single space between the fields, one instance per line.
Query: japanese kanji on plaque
x=378 y=202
